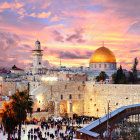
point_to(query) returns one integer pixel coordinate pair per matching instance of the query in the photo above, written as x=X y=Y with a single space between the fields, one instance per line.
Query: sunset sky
x=70 y=29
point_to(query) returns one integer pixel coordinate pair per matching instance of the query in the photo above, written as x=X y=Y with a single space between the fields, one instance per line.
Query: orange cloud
x=44 y=15
x=55 y=18
x=32 y=15
x=5 y=5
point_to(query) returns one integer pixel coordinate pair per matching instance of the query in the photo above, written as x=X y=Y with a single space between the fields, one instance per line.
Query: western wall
x=77 y=97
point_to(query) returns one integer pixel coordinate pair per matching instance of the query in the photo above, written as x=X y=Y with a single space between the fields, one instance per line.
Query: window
x=105 y=65
x=61 y=97
x=95 y=65
x=65 y=86
x=79 y=96
x=70 y=96
x=38 y=109
x=39 y=63
x=79 y=88
x=99 y=65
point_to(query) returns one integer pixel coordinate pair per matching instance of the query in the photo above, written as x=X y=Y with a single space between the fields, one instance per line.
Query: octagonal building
x=102 y=59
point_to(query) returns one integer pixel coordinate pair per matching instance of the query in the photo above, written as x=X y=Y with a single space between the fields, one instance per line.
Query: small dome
x=37 y=42
x=103 y=55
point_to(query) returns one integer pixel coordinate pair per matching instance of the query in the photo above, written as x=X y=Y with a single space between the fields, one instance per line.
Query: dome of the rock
x=103 y=55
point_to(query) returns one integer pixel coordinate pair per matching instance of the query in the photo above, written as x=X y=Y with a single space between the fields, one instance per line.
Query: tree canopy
x=9 y=118
x=16 y=111
x=133 y=73
x=101 y=77
x=119 y=77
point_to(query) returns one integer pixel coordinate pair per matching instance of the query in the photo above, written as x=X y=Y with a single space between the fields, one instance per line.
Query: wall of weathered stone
x=98 y=95
x=14 y=86
x=89 y=99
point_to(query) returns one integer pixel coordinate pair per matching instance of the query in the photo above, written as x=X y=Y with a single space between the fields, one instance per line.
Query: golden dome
x=103 y=55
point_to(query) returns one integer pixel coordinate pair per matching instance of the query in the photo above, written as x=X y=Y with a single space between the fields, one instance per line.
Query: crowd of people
x=45 y=128
x=59 y=129
x=69 y=127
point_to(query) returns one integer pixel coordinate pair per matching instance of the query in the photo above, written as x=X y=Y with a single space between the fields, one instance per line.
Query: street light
x=108 y=120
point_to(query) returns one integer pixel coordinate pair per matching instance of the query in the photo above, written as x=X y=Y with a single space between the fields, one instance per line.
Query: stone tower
x=37 y=57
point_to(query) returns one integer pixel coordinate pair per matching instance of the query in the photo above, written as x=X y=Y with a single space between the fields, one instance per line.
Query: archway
x=63 y=108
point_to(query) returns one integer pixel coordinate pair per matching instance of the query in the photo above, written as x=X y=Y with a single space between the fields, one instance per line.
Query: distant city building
x=17 y=70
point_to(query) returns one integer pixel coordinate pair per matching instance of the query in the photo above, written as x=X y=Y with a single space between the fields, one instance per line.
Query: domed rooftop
x=37 y=42
x=102 y=55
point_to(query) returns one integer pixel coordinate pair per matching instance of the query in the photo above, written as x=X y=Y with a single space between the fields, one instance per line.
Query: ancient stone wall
x=98 y=95
x=14 y=86
x=87 y=98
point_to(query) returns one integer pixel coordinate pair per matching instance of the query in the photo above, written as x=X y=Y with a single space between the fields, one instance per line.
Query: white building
x=37 y=67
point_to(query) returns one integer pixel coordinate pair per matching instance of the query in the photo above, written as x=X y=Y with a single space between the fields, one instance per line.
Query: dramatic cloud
x=133 y=51
x=71 y=29
x=66 y=54
x=12 y=52
x=44 y=14
x=57 y=36
x=76 y=37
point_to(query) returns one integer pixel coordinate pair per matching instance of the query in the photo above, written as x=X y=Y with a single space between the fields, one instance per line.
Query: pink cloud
x=45 y=4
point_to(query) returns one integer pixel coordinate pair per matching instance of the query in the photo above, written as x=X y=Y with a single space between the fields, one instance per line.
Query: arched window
x=61 y=97
x=99 y=65
x=105 y=65
x=70 y=96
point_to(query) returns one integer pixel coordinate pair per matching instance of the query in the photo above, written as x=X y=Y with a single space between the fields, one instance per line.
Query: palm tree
x=9 y=118
x=22 y=104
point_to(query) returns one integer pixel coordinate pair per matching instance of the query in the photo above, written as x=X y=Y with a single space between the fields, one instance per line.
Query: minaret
x=37 y=55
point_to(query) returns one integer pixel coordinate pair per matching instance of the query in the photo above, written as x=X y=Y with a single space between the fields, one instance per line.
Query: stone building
x=37 y=67
x=17 y=70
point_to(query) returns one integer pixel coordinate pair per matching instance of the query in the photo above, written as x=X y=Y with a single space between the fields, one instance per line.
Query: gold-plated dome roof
x=103 y=55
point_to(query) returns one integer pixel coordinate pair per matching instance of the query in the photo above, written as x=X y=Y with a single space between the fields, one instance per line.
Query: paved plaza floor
x=28 y=127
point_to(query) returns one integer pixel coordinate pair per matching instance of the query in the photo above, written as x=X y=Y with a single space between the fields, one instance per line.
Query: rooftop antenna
x=60 y=62
x=103 y=43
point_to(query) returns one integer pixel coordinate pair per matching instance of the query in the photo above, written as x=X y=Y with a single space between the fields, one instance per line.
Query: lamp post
x=84 y=94
x=1 y=88
x=108 y=120
x=28 y=88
